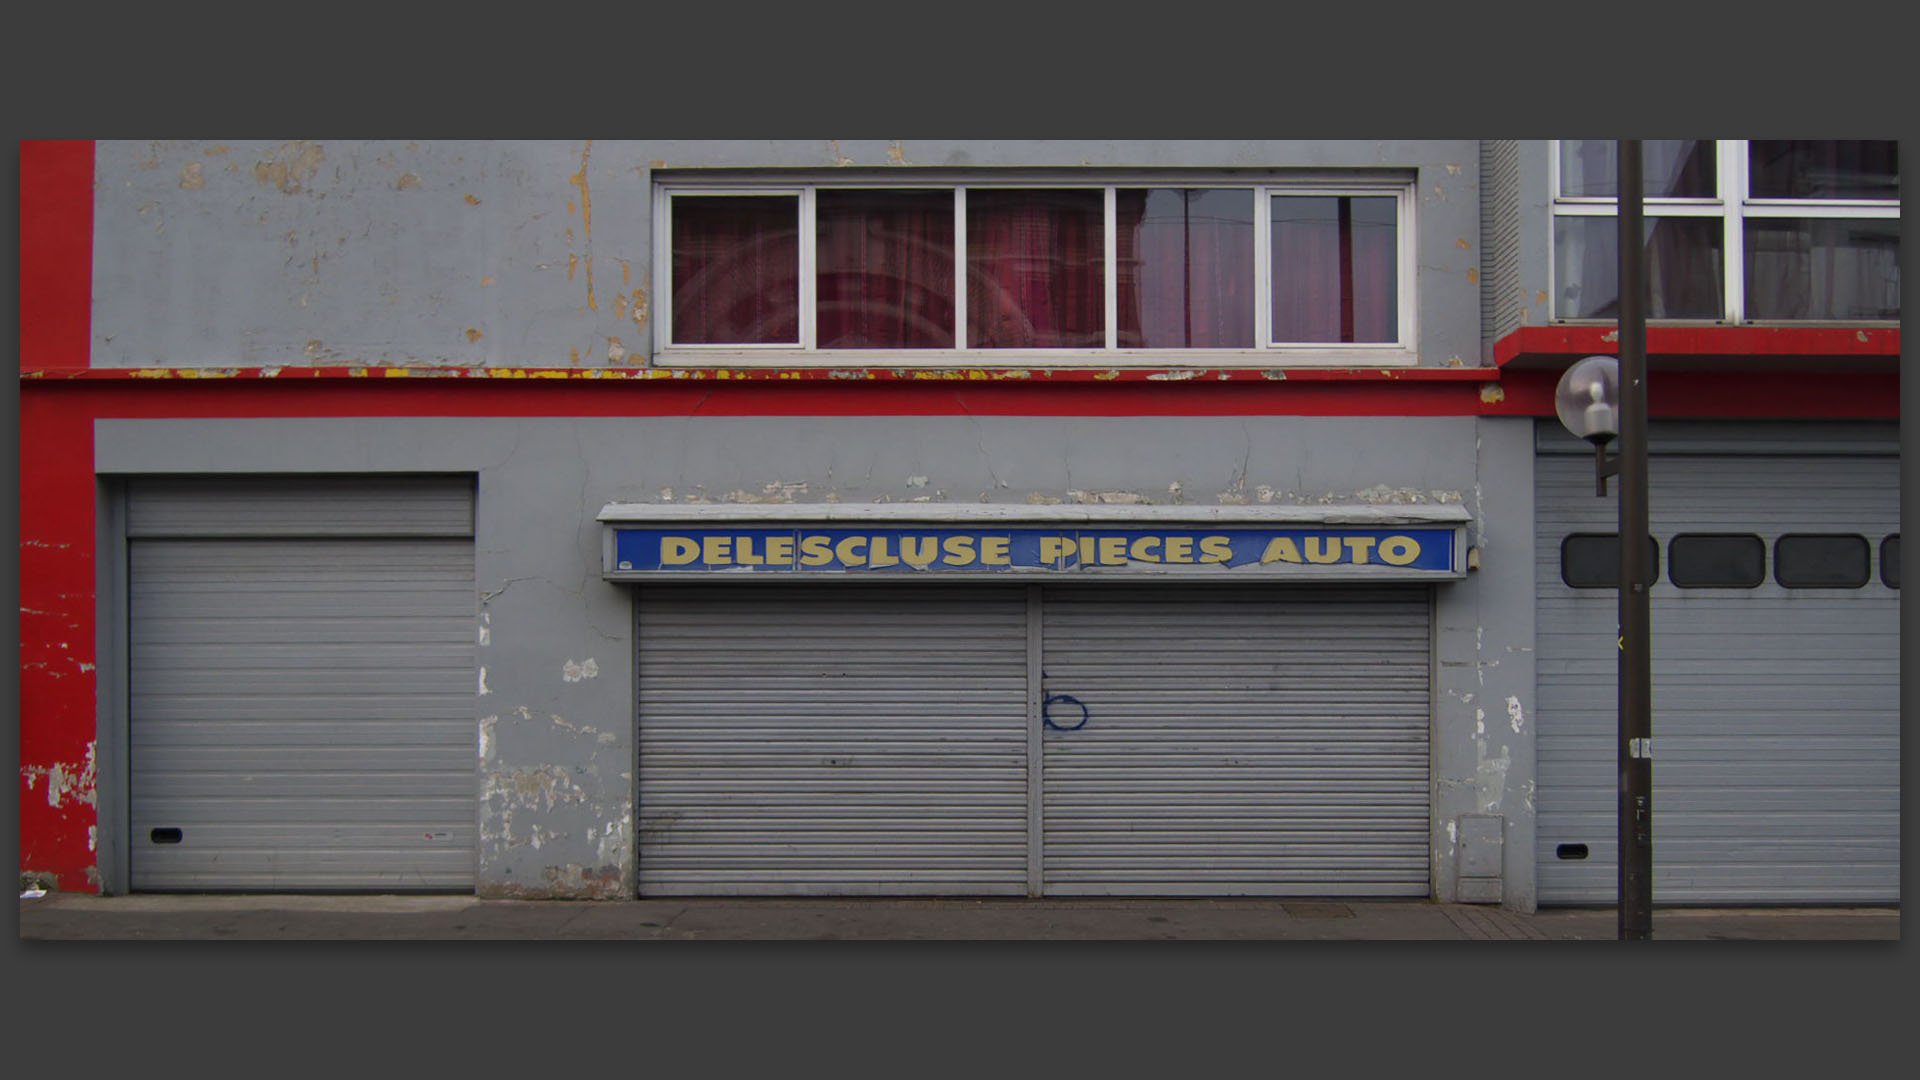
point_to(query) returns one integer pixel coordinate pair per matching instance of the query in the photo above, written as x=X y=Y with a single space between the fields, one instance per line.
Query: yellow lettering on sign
x=716 y=550
x=993 y=551
x=779 y=551
x=1280 y=549
x=1399 y=550
x=882 y=556
x=1215 y=549
x=1180 y=549
x=744 y=554
x=1142 y=546
x=815 y=551
x=1113 y=550
x=845 y=550
x=959 y=550
x=678 y=551
x=1086 y=551
x=1323 y=549
x=1359 y=546
x=919 y=550
x=1055 y=548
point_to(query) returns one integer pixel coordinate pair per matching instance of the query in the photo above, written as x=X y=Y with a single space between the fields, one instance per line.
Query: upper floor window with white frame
x=1097 y=274
x=1737 y=231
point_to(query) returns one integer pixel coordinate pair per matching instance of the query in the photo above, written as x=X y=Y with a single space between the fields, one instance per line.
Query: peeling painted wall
x=554 y=732
x=344 y=253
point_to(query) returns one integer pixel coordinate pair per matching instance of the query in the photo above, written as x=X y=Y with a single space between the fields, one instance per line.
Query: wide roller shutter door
x=838 y=740
x=1775 y=711
x=1254 y=741
x=301 y=674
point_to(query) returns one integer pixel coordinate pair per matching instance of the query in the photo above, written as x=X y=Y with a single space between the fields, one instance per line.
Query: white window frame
x=1733 y=206
x=1402 y=352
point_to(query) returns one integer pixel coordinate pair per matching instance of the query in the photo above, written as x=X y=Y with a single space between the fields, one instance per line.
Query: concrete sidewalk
x=81 y=917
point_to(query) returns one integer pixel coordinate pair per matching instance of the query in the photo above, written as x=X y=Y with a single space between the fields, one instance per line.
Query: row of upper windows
x=1102 y=268
x=1735 y=561
x=1736 y=231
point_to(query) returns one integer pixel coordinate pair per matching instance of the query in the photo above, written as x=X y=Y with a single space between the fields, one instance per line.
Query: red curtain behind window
x=885 y=269
x=1036 y=275
x=736 y=269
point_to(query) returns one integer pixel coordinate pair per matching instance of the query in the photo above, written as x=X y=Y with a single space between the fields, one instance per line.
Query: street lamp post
x=1636 y=656
x=1598 y=398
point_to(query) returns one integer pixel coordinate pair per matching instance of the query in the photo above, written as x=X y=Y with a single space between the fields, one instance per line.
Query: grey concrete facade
x=539 y=254
x=212 y=256
x=553 y=708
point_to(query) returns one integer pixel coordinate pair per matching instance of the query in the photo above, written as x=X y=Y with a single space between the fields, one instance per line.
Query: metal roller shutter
x=1269 y=741
x=1775 y=711
x=842 y=740
x=300 y=709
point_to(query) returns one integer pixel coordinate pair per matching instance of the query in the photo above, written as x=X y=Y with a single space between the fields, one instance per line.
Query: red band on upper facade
x=1811 y=342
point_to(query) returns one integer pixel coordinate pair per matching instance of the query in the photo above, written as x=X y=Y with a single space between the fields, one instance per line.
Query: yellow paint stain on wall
x=406 y=181
x=395 y=372
x=573 y=356
x=473 y=335
x=471 y=200
x=1473 y=274
x=485 y=281
x=579 y=180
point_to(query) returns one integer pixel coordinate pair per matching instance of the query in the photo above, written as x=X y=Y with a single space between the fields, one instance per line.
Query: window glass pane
x=884 y=274
x=1184 y=259
x=1036 y=269
x=1592 y=560
x=1890 y=561
x=1815 y=561
x=1823 y=268
x=1830 y=169
x=1669 y=168
x=1714 y=561
x=736 y=269
x=1683 y=268
x=1336 y=268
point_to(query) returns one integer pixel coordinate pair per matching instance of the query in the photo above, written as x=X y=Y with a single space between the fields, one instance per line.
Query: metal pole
x=1636 y=665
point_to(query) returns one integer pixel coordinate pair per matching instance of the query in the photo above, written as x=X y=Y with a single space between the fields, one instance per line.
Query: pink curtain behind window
x=1036 y=275
x=1335 y=269
x=885 y=269
x=1185 y=268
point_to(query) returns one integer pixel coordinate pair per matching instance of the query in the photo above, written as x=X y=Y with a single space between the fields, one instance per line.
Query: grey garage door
x=846 y=740
x=301 y=684
x=1775 y=709
x=1253 y=741
x=832 y=741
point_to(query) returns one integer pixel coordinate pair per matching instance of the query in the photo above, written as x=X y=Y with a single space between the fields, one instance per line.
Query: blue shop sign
x=1028 y=551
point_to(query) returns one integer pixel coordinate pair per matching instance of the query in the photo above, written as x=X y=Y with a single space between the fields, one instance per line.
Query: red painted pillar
x=57 y=656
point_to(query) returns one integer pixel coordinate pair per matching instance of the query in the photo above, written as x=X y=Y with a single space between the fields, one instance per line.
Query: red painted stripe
x=1810 y=342
x=492 y=397
x=56 y=253
x=836 y=376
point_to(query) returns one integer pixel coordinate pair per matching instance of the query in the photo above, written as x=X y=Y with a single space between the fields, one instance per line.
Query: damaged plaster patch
x=290 y=167
x=486 y=736
x=586 y=669
x=64 y=782
x=1514 y=714
x=483 y=683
